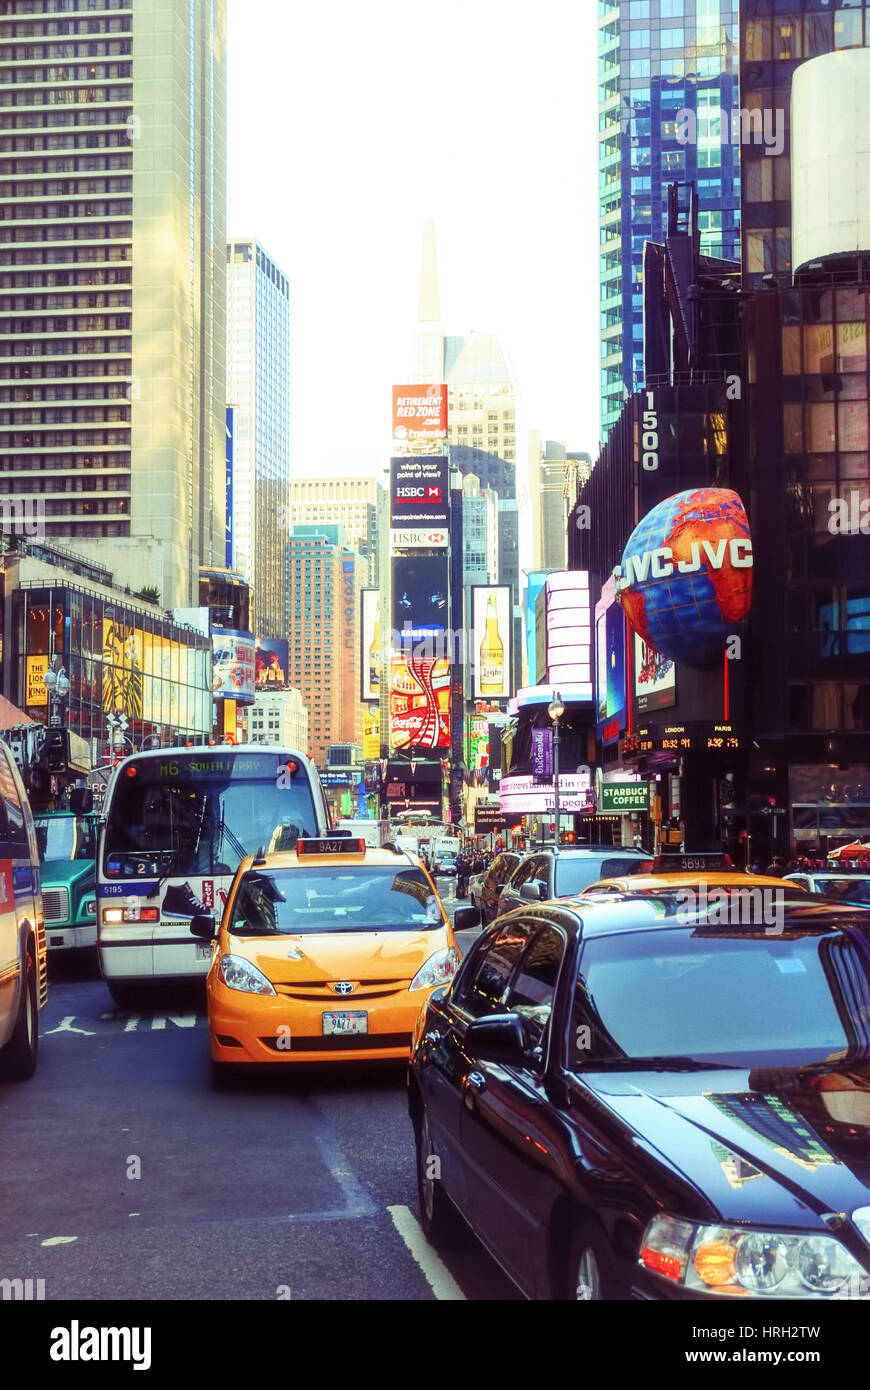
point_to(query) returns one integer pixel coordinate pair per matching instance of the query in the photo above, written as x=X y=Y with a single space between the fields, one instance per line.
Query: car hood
x=64 y=873
x=761 y=1145
x=319 y=957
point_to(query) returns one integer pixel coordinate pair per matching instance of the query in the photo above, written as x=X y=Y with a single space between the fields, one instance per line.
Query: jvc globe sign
x=686 y=574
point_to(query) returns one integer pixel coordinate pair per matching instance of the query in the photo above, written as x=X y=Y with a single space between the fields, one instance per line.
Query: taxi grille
x=365 y=989
x=339 y=1042
x=55 y=904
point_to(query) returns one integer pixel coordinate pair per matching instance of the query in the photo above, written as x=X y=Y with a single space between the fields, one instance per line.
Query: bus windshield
x=66 y=837
x=201 y=814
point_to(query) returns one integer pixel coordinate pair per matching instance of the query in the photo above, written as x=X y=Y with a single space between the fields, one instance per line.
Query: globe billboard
x=685 y=579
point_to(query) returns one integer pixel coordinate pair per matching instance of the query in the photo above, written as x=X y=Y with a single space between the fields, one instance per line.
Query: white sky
x=349 y=124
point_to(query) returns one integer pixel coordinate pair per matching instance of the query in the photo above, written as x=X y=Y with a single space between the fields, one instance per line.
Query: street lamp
x=57 y=685
x=555 y=710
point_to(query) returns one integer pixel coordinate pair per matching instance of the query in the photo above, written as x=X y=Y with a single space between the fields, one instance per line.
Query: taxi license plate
x=334 y=1023
x=203 y=951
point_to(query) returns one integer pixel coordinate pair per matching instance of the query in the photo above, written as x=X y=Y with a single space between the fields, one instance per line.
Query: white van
x=23 y=955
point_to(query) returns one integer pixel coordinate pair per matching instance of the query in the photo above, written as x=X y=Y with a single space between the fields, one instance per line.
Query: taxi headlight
x=732 y=1261
x=238 y=973
x=439 y=969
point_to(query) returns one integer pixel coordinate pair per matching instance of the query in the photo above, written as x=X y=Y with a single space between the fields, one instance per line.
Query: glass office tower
x=658 y=59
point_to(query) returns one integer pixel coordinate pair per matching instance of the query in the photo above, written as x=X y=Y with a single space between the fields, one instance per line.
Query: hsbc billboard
x=419 y=497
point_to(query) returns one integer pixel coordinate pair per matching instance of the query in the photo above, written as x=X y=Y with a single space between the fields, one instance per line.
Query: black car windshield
x=731 y=997
x=341 y=899
x=574 y=872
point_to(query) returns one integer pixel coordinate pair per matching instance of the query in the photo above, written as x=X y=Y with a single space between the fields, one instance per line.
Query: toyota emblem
x=343 y=987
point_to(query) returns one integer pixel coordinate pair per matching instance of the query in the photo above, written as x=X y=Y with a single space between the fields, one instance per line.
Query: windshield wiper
x=654 y=1064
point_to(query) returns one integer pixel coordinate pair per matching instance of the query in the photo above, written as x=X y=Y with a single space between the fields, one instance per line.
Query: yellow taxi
x=325 y=953
x=700 y=880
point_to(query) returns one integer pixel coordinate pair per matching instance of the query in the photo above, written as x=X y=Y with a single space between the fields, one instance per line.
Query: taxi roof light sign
x=331 y=844
x=689 y=863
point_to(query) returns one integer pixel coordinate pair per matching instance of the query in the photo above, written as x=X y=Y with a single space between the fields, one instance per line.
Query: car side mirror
x=203 y=926
x=498 y=1038
x=466 y=918
x=81 y=801
x=532 y=892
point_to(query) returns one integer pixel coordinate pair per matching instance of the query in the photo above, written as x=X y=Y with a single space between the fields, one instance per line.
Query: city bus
x=176 y=822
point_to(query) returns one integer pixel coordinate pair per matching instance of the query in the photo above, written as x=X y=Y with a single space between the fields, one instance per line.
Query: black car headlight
x=736 y=1262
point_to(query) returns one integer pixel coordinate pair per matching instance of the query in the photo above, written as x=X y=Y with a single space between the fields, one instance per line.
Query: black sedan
x=624 y=1103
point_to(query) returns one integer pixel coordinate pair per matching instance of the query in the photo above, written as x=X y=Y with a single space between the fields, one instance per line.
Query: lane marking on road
x=434 y=1270
x=59 y=1240
x=132 y=1023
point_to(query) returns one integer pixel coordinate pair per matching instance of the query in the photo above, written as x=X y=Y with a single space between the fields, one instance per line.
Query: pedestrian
x=775 y=868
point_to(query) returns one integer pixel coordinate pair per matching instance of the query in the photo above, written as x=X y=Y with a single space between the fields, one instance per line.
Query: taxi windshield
x=340 y=898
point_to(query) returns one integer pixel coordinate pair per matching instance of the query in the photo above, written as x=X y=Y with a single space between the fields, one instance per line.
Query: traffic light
x=56 y=750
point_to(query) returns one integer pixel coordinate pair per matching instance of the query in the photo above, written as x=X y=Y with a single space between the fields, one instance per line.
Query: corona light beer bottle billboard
x=491 y=626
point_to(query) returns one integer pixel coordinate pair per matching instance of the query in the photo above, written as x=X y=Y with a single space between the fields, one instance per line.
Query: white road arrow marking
x=131 y=1024
x=180 y=1021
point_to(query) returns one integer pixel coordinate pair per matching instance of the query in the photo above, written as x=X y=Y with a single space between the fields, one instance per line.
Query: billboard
x=35 y=669
x=491 y=631
x=419 y=495
x=534 y=585
x=686 y=574
x=271 y=663
x=420 y=596
x=233 y=665
x=370 y=645
x=655 y=685
x=419 y=702
x=610 y=691
x=371 y=744
x=228 y=534
x=419 y=419
x=568 y=629
x=477 y=743
x=523 y=795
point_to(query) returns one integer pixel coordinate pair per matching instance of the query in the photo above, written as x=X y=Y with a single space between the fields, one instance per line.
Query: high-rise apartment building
x=351 y=503
x=324 y=577
x=279 y=717
x=660 y=59
x=112 y=279
x=554 y=478
x=258 y=387
x=481 y=395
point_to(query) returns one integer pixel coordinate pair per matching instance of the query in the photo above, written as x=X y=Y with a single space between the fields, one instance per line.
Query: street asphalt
x=126 y=1176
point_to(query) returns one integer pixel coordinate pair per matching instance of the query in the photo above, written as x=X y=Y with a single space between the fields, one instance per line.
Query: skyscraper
x=657 y=60
x=112 y=278
x=352 y=503
x=323 y=583
x=258 y=384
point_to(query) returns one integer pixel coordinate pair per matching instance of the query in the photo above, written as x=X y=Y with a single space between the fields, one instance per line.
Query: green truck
x=68 y=853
